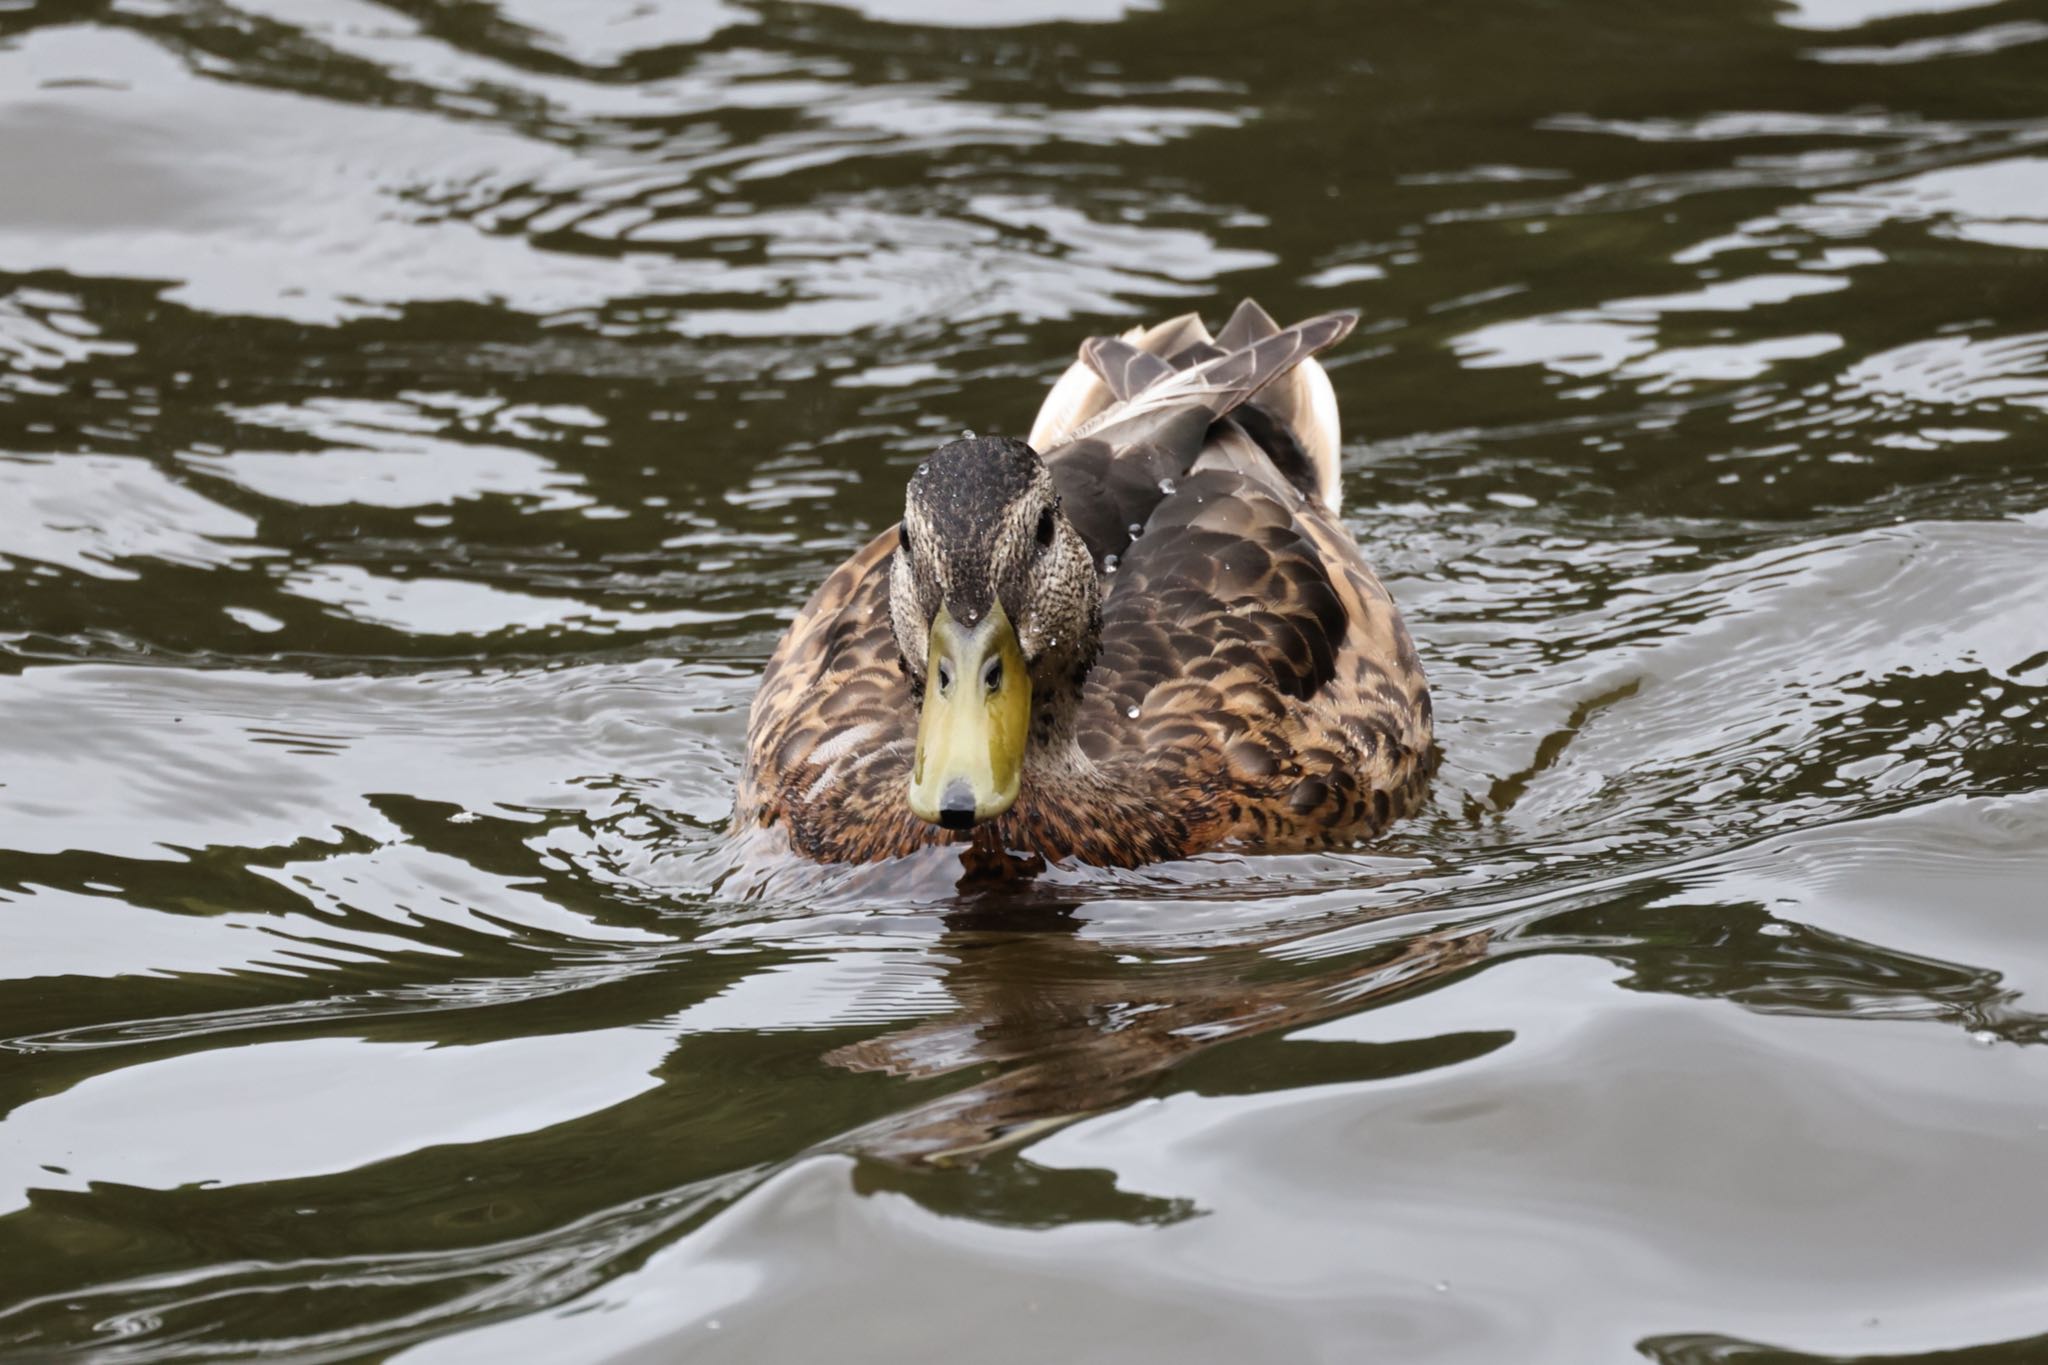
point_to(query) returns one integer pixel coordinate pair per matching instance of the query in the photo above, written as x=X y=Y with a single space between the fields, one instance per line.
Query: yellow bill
x=977 y=716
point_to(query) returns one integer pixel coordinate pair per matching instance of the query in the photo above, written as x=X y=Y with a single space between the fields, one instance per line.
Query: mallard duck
x=1138 y=634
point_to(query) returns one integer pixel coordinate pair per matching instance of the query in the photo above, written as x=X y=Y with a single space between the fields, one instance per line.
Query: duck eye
x=1045 y=527
x=945 y=677
x=903 y=540
x=992 y=675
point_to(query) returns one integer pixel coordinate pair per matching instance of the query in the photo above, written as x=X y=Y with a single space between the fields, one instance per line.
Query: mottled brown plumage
x=1250 y=684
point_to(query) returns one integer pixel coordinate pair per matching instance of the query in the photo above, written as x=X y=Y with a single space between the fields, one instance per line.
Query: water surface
x=418 y=422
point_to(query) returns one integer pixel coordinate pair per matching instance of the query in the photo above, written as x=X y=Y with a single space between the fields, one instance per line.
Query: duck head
x=996 y=607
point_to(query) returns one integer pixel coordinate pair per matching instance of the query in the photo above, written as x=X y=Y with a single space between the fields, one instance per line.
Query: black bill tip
x=956 y=806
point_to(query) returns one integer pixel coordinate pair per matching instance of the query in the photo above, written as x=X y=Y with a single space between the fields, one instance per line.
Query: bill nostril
x=956 y=805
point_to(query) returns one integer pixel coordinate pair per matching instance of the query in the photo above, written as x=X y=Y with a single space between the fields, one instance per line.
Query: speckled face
x=982 y=524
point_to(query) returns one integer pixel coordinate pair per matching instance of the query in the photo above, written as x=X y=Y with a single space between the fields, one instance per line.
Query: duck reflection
x=1065 y=1025
x=1056 y=1022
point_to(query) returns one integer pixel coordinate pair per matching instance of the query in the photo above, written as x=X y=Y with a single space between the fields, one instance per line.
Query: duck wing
x=834 y=713
x=1254 y=670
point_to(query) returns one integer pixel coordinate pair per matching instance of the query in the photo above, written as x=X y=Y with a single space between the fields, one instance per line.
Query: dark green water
x=416 y=424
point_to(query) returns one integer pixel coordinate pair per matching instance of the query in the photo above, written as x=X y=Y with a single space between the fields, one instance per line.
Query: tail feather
x=1287 y=404
x=1219 y=386
x=1302 y=404
x=1080 y=394
x=1248 y=324
x=1122 y=367
x=1175 y=336
x=1295 y=417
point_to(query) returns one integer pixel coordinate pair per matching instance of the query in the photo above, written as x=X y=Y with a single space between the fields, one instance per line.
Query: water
x=416 y=424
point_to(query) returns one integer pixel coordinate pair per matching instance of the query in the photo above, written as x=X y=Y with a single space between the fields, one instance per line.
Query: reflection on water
x=417 y=423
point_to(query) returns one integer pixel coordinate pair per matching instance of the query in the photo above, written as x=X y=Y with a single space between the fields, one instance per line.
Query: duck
x=1138 y=634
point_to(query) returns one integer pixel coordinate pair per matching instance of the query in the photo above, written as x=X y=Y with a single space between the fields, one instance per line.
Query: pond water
x=418 y=422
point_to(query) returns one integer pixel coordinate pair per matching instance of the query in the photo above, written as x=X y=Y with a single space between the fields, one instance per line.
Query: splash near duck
x=1140 y=634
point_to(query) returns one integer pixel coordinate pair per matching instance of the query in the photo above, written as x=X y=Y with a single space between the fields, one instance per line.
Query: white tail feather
x=1078 y=396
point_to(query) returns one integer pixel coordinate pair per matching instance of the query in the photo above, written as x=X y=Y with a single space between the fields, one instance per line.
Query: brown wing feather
x=1279 y=701
x=834 y=719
